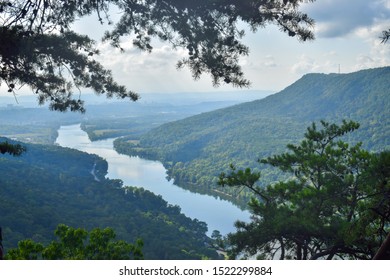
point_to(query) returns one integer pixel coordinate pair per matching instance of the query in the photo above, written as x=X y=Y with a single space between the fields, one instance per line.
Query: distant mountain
x=197 y=149
x=50 y=185
x=107 y=118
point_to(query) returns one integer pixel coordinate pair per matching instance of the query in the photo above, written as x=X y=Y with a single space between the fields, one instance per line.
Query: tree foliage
x=78 y=244
x=39 y=49
x=335 y=204
x=50 y=185
x=385 y=36
x=1 y=244
x=12 y=149
x=194 y=150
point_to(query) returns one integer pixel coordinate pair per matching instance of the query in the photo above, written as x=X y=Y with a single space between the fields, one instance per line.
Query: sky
x=347 y=39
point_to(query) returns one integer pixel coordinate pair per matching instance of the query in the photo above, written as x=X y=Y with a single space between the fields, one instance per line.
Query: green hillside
x=50 y=185
x=197 y=149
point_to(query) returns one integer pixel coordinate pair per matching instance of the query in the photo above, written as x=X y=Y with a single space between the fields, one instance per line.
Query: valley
x=197 y=149
x=194 y=141
x=50 y=185
x=151 y=175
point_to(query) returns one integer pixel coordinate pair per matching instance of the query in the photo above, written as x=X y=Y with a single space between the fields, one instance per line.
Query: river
x=151 y=175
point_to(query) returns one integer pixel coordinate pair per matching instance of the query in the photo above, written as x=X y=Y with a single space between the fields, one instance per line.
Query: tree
x=218 y=240
x=78 y=244
x=12 y=149
x=335 y=204
x=38 y=48
x=1 y=244
x=385 y=36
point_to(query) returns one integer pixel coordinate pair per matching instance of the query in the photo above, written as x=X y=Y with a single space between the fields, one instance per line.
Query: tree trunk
x=305 y=250
x=1 y=244
x=299 y=251
x=384 y=251
x=283 y=252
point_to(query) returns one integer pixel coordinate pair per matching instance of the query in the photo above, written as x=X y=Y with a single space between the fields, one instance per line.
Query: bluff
x=197 y=149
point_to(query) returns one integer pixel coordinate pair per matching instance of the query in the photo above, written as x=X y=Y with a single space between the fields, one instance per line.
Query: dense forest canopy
x=39 y=49
x=49 y=185
x=293 y=218
x=196 y=149
x=335 y=204
x=78 y=244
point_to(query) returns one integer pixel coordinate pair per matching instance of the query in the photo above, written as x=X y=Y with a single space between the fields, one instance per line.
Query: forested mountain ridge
x=50 y=185
x=197 y=149
x=104 y=120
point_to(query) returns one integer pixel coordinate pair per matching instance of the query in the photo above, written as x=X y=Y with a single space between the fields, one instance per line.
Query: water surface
x=151 y=175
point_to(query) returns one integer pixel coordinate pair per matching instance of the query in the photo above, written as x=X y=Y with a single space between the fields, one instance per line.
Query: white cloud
x=347 y=34
x=305 y=65
x=258 y=63
x=269 y=61
x=142 y=71
x=153 y=72
x=325 y=63
x=378 y=53
x=364 y=61
x=337 y=18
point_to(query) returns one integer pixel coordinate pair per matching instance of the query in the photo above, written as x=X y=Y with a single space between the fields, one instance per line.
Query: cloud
x=378 y=53
x=364 y=61
x=150 y=72
x=305 y=65
x=324 y=63
x=269 y=61
x=160 y=58
x=347 y=34
x=337 y=18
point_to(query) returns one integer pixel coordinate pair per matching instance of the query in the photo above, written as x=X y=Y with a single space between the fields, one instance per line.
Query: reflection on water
x=151 y=175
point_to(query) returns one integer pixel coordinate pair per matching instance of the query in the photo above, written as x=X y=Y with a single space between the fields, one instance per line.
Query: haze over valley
x=195 y=140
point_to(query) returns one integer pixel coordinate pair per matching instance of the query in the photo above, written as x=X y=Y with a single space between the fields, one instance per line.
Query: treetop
x=40 y=50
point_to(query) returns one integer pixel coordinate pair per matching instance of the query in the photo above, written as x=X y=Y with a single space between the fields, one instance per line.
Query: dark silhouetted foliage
x=39 y=49
x=50 y=185
x=78 y=244
x=15 y=150
x=196 y=150
x=335 y=204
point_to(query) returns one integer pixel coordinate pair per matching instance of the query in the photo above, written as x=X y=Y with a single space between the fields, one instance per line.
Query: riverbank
x=151 y=175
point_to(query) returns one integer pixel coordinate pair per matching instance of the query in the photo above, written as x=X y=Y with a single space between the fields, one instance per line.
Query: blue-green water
x=151 y=175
